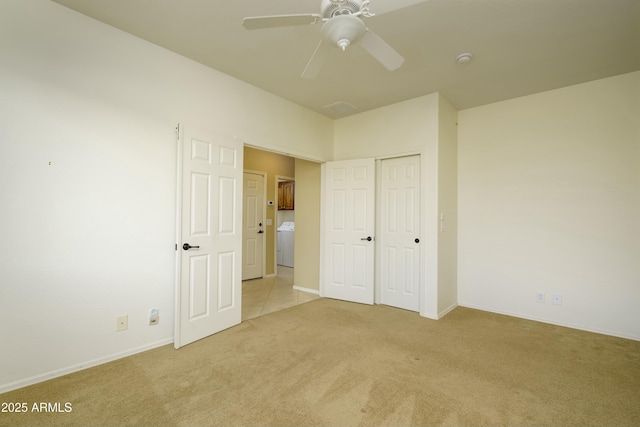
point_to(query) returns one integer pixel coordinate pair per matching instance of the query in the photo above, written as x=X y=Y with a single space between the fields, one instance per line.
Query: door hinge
x=176 y=246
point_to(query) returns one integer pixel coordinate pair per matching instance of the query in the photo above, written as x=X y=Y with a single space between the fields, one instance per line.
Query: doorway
x=281 y=286
x=271 y=294
x=209 y=218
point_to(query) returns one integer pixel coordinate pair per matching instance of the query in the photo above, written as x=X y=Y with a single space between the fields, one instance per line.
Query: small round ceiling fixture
x=464 y=58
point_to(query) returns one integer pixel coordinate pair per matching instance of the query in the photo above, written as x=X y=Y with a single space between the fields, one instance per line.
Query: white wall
x=87 y=173
x=412 y=127
x=395 y=130
x=549 y=201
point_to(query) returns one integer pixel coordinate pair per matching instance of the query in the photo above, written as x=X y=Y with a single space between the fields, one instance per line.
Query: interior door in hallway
x=399 y=240
x=209 y=235
x=253 y=226
x=349 y=224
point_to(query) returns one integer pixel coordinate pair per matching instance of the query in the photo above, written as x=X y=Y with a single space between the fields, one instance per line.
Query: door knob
x=187 y=246
x=367 y=238
x=260 y=232
x=417 y=240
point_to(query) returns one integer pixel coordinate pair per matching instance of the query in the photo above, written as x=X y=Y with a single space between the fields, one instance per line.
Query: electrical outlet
x=154 y=316
x=557 y=300
x=122 y=323
x=540 y=297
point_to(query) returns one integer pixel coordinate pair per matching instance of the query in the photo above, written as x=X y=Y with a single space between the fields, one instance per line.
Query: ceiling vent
x=341 y=107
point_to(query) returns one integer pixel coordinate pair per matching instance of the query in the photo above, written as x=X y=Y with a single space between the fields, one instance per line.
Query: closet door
x=349 y=224
x=399 y=242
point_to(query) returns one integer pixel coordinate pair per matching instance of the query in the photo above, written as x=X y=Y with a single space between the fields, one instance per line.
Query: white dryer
x=285 y=244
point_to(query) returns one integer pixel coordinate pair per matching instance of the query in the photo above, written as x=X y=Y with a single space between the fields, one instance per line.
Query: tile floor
x=269 y=294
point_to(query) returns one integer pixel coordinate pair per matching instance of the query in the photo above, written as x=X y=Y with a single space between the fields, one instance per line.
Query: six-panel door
x=349 y=230
x=210 y=235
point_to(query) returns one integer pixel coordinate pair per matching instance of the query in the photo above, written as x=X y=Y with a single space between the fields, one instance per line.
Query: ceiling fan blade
x=259 y=22
x=317 y=60
x=380 y=50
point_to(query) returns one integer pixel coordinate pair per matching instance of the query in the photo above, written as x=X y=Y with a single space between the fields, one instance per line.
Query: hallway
x=269 y=294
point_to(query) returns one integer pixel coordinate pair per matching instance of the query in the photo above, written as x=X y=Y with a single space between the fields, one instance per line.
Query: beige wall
x=549 y=201
x=307 y=232
x=273 y=165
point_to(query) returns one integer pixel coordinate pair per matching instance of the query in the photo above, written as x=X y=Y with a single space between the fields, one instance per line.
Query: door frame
x=264 y=213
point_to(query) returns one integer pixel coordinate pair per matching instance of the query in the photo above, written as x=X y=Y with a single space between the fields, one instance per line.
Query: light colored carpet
x=333 y=363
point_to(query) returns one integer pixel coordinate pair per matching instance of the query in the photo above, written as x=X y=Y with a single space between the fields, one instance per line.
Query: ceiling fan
x=342 y=26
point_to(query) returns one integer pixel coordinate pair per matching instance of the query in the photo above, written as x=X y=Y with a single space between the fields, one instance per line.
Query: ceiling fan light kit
x=342 y=27
x=343 y=30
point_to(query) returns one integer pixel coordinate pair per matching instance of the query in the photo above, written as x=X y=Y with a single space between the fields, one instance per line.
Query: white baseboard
x=307 y=290
x=81 y=366
x=552 y=322
x=447 y=310
x=439 y=315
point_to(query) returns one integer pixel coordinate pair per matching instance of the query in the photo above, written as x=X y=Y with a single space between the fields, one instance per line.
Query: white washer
x=285 y=244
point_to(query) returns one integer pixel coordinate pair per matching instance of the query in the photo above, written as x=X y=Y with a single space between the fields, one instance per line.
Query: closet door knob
x=417 y=240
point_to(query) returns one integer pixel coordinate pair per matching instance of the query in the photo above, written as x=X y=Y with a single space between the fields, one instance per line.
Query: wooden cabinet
x=285 y=195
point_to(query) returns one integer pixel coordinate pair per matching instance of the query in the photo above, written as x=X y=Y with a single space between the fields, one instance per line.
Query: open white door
x=399 y=239
x=253 y=226
x=348 y=246
x=209 y=288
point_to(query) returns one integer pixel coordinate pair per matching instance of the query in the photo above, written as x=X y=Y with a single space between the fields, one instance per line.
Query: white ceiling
x=519 y=47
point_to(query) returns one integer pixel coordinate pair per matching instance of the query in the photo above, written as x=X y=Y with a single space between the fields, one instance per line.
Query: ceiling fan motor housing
x=330 y=8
